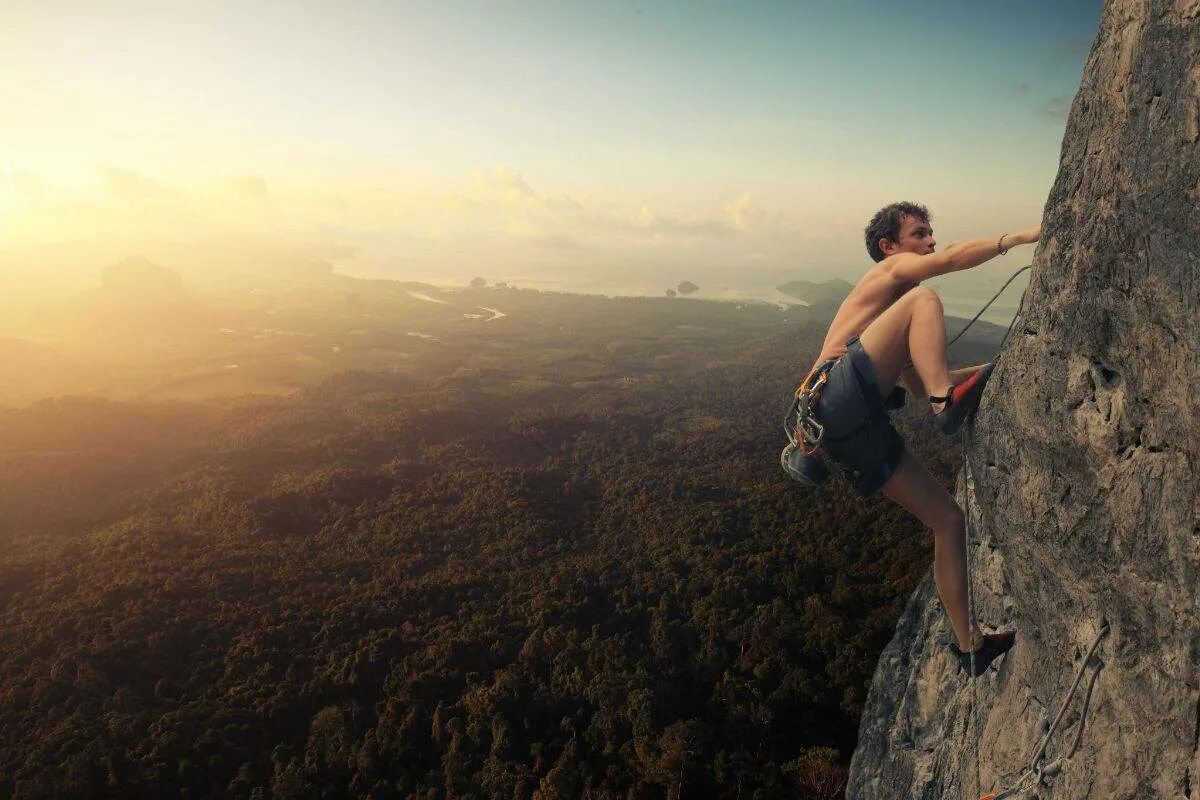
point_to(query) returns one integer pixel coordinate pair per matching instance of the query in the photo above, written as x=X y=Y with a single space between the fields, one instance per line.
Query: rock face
x=1085 y=498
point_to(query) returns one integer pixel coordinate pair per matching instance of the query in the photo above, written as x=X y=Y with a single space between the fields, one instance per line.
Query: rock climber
x=891 y=328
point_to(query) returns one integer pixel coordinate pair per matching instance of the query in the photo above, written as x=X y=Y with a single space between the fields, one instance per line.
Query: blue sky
x=548 y=142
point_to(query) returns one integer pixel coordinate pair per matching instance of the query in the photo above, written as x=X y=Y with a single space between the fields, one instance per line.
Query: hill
x=831 y=292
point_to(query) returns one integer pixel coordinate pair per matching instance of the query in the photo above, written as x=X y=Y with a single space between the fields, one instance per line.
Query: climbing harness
x=810 y=432
x=857 y=429
x=803 y=458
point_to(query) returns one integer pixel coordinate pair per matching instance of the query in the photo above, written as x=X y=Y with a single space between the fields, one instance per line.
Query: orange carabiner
x=804 y=387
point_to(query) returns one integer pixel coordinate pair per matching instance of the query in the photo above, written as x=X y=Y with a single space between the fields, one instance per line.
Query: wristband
x=1000 y=248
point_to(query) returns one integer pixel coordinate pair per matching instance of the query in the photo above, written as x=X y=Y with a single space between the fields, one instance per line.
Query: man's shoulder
x=889 y=264
x=883 y=276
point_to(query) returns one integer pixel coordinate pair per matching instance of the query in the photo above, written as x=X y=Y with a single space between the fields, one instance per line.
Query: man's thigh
x=886 y=339
x=913 y=487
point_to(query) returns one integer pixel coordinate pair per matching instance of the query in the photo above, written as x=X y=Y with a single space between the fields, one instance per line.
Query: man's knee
x=924 y=294
x=950 y=521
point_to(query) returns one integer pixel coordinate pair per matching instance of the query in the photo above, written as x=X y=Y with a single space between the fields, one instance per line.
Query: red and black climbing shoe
x=993 y=646
x=962 y=401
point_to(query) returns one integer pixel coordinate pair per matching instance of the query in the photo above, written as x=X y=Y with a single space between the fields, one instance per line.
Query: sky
x=592 y=146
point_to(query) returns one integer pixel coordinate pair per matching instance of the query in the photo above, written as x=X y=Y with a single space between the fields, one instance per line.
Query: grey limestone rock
x=1086 y=496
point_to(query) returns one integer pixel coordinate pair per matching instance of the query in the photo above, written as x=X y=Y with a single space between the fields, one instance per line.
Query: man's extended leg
x=912 y=327
x=913 y=487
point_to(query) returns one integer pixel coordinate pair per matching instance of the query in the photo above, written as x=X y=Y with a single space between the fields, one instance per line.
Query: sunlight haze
x=612 y=148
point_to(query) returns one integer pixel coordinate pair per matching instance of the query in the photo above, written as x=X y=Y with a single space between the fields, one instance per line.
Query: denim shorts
x=859 y=435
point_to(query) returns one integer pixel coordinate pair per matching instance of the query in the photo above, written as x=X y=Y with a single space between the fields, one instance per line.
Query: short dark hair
x=886 y=225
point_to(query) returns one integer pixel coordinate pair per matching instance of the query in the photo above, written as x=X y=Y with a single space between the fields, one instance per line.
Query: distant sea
x=1000 y=313
x=962 y=295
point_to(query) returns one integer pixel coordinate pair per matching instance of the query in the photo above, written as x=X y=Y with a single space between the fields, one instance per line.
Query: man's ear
x=887 y=246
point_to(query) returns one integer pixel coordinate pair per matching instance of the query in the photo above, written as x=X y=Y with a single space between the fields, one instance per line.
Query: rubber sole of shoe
x=949 y=420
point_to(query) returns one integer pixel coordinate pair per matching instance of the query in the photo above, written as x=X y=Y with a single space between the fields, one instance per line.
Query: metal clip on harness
x=809 y=430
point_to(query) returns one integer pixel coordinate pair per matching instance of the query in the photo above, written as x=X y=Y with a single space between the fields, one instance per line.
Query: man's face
x=916 y=236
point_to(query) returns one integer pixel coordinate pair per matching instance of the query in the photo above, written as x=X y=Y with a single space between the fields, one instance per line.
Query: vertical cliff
x=1085 y=498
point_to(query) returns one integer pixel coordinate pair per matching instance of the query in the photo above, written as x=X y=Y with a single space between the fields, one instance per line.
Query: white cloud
x=505 y=182
x=745 y=216
x=565 y=204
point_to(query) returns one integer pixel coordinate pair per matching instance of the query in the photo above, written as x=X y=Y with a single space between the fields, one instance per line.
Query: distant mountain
x=138 y=303
x=814 y=294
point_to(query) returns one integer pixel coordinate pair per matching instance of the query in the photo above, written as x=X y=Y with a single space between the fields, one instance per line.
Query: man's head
x=899 y=228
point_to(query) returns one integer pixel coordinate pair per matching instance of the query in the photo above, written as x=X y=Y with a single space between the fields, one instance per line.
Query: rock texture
x=1086 y=501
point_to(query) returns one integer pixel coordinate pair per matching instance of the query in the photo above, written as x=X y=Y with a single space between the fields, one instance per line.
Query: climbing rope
x=967 y=429
x=1036 y=772
x=969 y=485
x=969 y=482
x=988 y=304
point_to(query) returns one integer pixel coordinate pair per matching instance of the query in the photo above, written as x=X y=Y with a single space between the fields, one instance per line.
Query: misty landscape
x=392 y=400
x=324 y=536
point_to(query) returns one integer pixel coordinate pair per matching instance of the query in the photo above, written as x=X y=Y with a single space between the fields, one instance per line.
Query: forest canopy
x=546 y=555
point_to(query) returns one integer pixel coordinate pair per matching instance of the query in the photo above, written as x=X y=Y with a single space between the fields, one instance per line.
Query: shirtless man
x=891 y=327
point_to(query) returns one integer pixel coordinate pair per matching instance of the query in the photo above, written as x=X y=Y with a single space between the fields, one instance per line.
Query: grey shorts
x=859 y=435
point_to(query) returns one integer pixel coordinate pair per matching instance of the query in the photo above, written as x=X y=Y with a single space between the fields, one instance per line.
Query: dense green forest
x=552 y=556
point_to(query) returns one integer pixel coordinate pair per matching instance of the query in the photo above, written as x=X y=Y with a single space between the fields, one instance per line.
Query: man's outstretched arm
x=914 y=268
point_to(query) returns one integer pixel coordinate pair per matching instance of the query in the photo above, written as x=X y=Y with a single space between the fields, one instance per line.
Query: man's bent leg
x=913 y=487
x=912 y=327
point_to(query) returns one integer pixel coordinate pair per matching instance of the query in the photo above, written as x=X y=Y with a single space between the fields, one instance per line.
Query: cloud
x=654 y=225
x=746 y=216
x=251 y=187
x=1056 y=108
x=504 y=208
x=565 y=204
x=506 y=182
x=127 y=183
x=1073 y=48
x=539 y=232
x=558 y=241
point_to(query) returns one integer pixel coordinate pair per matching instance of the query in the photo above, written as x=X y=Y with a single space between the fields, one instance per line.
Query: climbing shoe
x=994 y=644
x=962 y=401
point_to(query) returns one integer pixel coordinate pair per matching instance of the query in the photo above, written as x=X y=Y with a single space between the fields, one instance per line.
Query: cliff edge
x=1083 y=490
